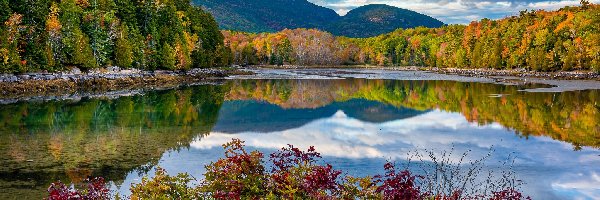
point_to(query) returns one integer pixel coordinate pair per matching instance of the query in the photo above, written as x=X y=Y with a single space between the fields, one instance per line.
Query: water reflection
x=356 y=123
x=566 y=116
x=44 y=142
x=551 y=169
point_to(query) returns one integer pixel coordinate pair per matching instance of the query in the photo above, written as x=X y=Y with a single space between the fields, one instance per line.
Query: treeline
x=53 y=35
x=566 y=39
x=146 y=34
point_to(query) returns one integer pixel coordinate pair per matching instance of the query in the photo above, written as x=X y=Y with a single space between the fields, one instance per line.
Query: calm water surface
x=357 y=124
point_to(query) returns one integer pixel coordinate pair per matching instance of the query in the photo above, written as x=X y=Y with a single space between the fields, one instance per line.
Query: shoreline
x=478 y=72
x=113 y=81
x=122 y=82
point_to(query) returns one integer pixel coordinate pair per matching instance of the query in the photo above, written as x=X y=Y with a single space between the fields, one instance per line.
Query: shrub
x=398 y=185
x=239 y=175
x=163 y=186
x=95 y=189
x=297 y=174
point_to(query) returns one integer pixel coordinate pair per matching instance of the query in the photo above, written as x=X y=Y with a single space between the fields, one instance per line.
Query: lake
x=356 y=121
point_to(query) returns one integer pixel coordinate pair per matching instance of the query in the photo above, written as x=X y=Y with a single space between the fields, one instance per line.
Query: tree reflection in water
x=42 y=142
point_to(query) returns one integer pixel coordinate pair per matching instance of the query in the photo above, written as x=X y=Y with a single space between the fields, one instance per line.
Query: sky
x=455 y=11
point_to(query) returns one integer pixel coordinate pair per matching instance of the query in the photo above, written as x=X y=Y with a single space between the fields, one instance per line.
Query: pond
x=552 y=138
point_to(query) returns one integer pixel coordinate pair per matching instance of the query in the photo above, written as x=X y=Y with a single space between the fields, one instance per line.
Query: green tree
x=167 y=57
x=123 y=48
x=82 y=51
x=5 y=10
x=285 y=51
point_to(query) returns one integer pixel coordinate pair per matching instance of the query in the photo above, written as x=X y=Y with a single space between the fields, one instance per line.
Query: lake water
x=355 y=123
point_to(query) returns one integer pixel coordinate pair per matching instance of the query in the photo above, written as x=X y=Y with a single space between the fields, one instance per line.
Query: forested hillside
x=375 y=19
x=566 y=39
x=275 y=15
x=267 y=15
x=53 y=35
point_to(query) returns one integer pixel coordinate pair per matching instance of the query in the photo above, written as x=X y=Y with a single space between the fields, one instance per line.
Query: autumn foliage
x=539 y=40
x=293 y=174
x=94 y=189
x=54 y=35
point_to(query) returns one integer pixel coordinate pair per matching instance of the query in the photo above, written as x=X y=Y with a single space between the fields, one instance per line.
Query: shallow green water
x=357 y=124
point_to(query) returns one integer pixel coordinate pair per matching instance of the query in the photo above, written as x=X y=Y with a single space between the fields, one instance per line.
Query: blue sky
x=454 y=11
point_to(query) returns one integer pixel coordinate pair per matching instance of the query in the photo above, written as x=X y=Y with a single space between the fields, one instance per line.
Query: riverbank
x=116 y=82
x=75 y=84
x=560 y=75
x=482 y=72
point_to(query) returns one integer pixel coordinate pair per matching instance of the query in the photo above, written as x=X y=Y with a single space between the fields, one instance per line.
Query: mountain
x=267 y=15
x=376 y=19
x=276 y=15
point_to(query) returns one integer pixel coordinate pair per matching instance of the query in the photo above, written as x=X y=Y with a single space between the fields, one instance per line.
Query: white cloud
x=541 y=162
x=584 y=185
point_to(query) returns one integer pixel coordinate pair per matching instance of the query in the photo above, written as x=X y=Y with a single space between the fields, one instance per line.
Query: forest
x=52 y=35
x=566 y=39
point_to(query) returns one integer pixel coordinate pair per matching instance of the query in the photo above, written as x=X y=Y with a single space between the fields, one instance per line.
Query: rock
x=94 y=71
x=113 y=69
x=75 y=70
x=23 y=77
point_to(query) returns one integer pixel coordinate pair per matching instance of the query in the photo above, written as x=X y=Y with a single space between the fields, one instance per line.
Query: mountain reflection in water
x=356 y=124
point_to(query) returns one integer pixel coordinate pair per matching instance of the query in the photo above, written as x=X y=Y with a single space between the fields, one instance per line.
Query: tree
x=585 y=4
x=5 y=10
x=285 y=51
x=10 y=44
x=123 y=48
x=54 y=29
x=167 y=57
x=126 y=11
x=82 y=51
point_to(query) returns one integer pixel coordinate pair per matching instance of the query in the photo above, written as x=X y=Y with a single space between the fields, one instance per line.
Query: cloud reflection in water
x=551 y=168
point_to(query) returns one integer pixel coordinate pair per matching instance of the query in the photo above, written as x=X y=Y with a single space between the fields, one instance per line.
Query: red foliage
x=295 y=174
x=239 y=174
x=509 y=194
x=321 y=178
x=292 y=156
x=398 y=185
x=95 y=190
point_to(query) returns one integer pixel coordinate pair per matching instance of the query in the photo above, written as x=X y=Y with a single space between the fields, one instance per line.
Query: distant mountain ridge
x=376 y=19
x=276 y=15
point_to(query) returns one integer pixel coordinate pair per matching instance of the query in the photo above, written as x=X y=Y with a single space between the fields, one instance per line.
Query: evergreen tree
x=5 y=10
x=167 y=57
x=123 y=48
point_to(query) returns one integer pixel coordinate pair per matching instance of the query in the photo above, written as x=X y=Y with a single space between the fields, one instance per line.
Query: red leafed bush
x=239 y=175
x=509 y=194
x=398 y=185
x=95 y=189
x=297 y=174
x=321 y=178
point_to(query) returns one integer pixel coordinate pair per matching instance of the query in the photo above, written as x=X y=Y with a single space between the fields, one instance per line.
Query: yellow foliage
x=566 y=23
x=53 y=25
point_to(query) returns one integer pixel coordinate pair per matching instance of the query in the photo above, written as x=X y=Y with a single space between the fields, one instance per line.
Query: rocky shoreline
x=481 y=72
x=560 y=75
x=75 y=84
